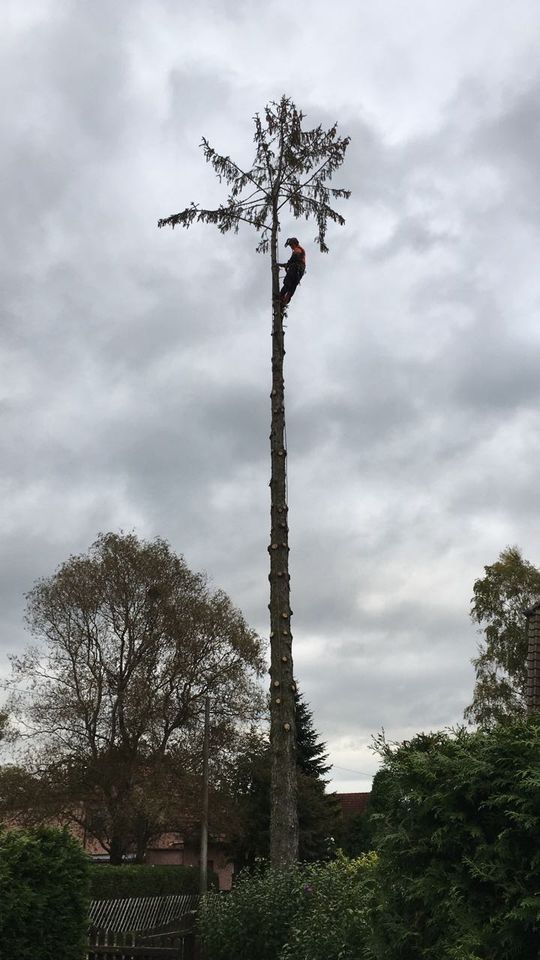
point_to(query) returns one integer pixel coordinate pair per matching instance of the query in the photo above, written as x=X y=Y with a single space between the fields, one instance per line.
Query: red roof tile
x=352 y=803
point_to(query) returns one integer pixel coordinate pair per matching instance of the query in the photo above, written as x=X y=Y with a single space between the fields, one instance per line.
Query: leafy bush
x=254 y=920
x=458 y=841
x=43 y=895
x=356 y=835
x=334 y=919
x=298 y=913
x=457 y=876
x=142 y=880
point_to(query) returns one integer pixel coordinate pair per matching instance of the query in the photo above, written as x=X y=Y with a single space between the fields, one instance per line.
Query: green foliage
x=43 y=896
x=318 y=819
x=255 y=919
x=314 y=912
x=357 y=835
x=130 y=643
x=500 y=599
x=458 y=842
x=456 y=820
x=291 y=168
x=311 y=755
x=335 y=915
x=141 y=880
x=318 y=812
x=250 y=797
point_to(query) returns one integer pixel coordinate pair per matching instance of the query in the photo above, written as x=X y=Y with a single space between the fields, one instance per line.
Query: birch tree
x=290 y=176
x=498 y=605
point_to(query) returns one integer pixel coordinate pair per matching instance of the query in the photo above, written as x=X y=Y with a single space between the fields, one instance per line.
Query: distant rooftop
x=352 y=803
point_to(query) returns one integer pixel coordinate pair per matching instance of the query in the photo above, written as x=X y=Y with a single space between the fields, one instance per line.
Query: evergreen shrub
x=456 y=820
x=43 y=896
x=458 y=844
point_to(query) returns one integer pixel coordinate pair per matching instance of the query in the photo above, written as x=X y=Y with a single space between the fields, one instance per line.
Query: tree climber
x=295 y=268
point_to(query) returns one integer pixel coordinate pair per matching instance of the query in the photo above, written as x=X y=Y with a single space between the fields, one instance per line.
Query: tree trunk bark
x=141 y=839
x=283 y=801
x=116 y=849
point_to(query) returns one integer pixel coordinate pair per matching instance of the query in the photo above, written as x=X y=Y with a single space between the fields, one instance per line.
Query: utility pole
x=532 y=690
x=203 y=882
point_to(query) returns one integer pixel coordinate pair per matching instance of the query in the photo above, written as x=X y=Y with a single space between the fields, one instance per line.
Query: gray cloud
x=135 y=362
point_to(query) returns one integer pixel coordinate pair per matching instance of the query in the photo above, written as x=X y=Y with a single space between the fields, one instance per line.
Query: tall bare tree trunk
x=290 y=170
x=116 y=849
x=284 y=813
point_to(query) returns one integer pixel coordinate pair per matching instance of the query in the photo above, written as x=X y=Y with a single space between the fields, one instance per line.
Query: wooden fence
x=140 y=928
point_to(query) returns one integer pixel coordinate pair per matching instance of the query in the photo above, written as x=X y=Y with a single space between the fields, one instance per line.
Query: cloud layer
x=134 y=363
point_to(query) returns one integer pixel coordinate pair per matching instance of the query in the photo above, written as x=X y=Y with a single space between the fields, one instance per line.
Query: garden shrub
x=254 y=919
x=335 y=916
x=310 y=912
x=458 y=843
x=457 y=875
x=43 y=896
x=144 y=880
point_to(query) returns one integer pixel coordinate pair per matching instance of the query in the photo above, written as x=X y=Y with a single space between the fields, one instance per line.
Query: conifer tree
x=310 y=752
x=318 y=812
x=290 y=173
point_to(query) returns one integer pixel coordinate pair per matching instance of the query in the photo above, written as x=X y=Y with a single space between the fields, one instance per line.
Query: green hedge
x=142 y=880
x=311 y=912
x=458 y=841
x=335 y=916
x=254 y=919
x=43 y=896
x=456 y=820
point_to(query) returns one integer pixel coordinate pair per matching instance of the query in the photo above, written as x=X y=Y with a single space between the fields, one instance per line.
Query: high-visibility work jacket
x=297 y=262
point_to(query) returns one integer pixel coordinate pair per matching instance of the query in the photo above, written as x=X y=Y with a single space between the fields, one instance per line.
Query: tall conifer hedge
x=43 y=896
x=458 y=844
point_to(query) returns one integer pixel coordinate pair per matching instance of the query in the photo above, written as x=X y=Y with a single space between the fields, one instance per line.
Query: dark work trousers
x=292 y=278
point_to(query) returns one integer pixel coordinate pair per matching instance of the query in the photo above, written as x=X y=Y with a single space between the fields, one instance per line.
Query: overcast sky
x=135 y=363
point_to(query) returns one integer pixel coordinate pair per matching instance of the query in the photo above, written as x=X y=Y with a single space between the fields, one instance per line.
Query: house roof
x=352 y=803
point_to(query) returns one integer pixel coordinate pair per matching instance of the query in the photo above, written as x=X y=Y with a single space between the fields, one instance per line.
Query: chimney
x=532 y=689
